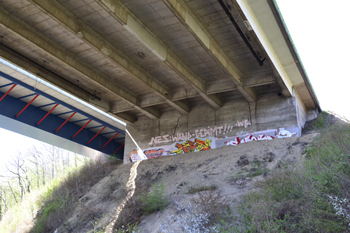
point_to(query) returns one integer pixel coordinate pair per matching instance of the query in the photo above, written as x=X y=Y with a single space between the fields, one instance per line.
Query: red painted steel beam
x=81 y=129
x=109 y=141
x=47 y=114
x=118 y=148
x=65 y=122
x=8 y=91
x=27 y=105
x=96 y=135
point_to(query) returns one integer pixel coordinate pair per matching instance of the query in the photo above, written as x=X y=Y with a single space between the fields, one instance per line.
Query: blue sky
x=320 y=32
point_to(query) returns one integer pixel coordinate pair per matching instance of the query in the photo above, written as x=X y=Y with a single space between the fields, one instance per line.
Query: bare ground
x=233 y=170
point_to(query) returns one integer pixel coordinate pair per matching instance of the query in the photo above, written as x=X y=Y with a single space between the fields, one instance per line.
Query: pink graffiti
x=244 y=123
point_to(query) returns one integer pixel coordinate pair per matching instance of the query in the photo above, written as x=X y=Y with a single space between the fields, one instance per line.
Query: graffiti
x=244 y=123
x=282 y=133
x=192 y=146
x=234 y=142
x=186 y=145
x=249 y=138
x=265 y=137
x=153 y=153
x=199 y=133
x=134 y=156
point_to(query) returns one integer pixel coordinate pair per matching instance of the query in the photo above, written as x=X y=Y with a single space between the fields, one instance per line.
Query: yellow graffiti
x=192 y=146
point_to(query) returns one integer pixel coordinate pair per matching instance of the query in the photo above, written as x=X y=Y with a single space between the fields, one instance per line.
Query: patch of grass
x=257 y=172
x=201 y=188
x=128 y=228
x=320 y=122
x=258 y=168
x=155 y=200
x=297 y=199
x=234 y=178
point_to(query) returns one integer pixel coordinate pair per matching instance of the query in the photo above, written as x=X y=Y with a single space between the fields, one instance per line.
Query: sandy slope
x=180 y=173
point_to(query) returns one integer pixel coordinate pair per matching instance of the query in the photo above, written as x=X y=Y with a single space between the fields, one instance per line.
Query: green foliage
x=225 y=226
x=320 y=122
x=155 y=200
x=128 y=228
x=59 y=198
x=295 y=199
x=201 y=188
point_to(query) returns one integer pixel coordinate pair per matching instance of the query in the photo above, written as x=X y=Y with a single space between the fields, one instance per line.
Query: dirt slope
x=233 y=170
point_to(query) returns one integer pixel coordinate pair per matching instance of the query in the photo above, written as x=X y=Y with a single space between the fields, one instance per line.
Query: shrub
x=155 y=200
x=298 y=199
x=60 y=197
x=201 y=188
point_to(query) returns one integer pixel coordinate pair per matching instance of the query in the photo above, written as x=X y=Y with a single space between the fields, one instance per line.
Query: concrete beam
x=58 y=81
x=179 y=93
x=145 y=36
x=188 y=19
x=101 y=45
x=40 y=41
x=261 y=19
x=216 y=87
x=259 y=79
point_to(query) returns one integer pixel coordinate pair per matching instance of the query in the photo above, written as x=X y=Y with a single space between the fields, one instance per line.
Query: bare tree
x=16 y=170
x=34 y=156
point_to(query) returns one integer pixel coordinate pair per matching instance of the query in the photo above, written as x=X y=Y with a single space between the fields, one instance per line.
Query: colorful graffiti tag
x=192 y=146
x=207 y=143
x=153 y=153
x=280 y=133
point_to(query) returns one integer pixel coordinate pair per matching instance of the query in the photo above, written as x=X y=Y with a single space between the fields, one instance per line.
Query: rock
x=243 y=161
x=181 y=185
x=269 y=157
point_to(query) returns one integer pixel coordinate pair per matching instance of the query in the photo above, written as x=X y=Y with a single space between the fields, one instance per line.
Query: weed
x=155 y=200
x=258 y=168
x=212 y=203
x=234 y=178
x=257 y=172
x=201 y=188
x=226 y=227
x=60 y=197
x=128 y=228
x=320 y=122
x=307 y=198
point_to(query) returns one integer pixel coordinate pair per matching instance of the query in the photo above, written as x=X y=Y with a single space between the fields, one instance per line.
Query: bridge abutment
x=204 y=128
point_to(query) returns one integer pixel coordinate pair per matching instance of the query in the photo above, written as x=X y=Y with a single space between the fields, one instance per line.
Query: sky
x=320 y=33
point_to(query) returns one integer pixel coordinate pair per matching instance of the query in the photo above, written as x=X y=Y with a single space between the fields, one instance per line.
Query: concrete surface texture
x=165 y=65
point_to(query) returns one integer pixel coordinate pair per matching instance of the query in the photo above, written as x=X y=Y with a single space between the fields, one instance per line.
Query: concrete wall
x=235 y=118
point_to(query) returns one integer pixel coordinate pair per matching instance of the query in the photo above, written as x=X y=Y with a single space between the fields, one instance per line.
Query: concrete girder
x=59 y=82
x=258 y=79
x=285 y=91
x=145 y=36
x=188 y=19
x=40 y=41
x=101 y=45
x=179 y=93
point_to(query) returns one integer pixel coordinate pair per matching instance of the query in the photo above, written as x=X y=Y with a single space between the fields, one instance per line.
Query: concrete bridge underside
x=175 y=71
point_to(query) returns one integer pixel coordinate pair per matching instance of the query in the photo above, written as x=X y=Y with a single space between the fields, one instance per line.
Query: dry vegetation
x=310 y=194
x=58 y=201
